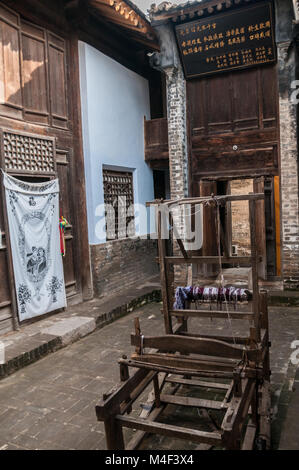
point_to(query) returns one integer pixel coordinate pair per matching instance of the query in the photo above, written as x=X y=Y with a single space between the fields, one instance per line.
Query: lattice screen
x=118 y=197
x=28 y=153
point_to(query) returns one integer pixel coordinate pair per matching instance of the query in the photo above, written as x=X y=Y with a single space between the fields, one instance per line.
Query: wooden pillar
x=258 y=187
x=114 y=434
x=163 y=276
x=83 y=263
x=157 y=391
x=265 y=326
x=255 y=286
x=209 y=247
x=10 y=271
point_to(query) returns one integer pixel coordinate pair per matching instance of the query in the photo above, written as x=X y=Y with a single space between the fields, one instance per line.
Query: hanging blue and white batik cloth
x=33 y=217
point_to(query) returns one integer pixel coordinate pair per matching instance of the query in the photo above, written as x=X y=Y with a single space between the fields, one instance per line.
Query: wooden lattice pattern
x=28 y=153
x=118 y=197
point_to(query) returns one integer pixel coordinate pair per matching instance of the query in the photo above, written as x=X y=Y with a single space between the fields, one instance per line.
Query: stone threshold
x=35 y=341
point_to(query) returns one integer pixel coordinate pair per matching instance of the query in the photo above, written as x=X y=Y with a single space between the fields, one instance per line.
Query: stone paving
x=35 y=340
x=51 y=404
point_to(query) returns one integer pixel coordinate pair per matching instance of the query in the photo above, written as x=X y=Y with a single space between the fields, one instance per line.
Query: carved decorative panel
x=25 y=153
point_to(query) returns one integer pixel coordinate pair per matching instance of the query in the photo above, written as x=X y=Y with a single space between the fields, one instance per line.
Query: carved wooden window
x=32 y=72
x=27 y=153
x=118 y=198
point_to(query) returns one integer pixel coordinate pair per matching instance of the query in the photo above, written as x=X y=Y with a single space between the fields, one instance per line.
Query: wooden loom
x=238 y=367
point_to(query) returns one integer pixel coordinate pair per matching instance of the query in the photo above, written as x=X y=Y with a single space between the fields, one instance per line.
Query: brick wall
x=240 y=217
x=168 y=62
x=289 y=167
x=120 y=264
x=176 y=114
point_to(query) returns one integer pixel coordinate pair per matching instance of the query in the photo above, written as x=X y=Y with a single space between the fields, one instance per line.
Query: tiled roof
x=172 y=7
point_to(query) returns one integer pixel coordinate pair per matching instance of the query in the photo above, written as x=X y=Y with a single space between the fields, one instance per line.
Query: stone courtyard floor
x=51 y=404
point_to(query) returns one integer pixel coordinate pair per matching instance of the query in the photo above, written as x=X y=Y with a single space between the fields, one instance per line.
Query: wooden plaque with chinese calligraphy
x=234 y=40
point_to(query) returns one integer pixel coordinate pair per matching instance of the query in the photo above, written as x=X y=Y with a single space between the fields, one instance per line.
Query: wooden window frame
x=117 y=187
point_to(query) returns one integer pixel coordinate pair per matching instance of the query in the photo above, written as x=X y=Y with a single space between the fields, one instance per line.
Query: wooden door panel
x=68 y=264
x=245 y=101
x=233 y=123
x=233 y=163
x=66 y=211
x=10 y=73
x=269 y=98
x=218 y=99
x=34 y=74
x=65 y=191
x=196 y=98
x=56 y=47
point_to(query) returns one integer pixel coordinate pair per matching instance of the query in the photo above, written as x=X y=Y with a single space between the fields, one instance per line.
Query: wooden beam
x=84 y=261
x=212 y=314
x=240 y=260
x=265 y=414
x=249 y=436
x=190 y=345
x=255 y=281
x=169 y=430
x=227 y=339
x=122 y=393
x=182 y=362
x=200 y=200
x=163 y=277
x=193 y=402
x=151 y=415
x=177 y=237
x=236 y=414
x=182 y=371
x=196 y=383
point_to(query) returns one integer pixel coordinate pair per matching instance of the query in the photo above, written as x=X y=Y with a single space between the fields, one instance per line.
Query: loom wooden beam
x=236 y=414
x=227 y=339
x=201 y=200
x=255 y=282
x=190 y=345
x=182 y=371
x=196 y=383
x=164 y=274
x=170 y=430
x=250 y=435
x=111 y=401
x=240 y=260
x=193 y=402
x=186 y=362
x=212 y=314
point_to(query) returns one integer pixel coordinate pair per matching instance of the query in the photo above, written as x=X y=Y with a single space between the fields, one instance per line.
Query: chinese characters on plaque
x=235 y=40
